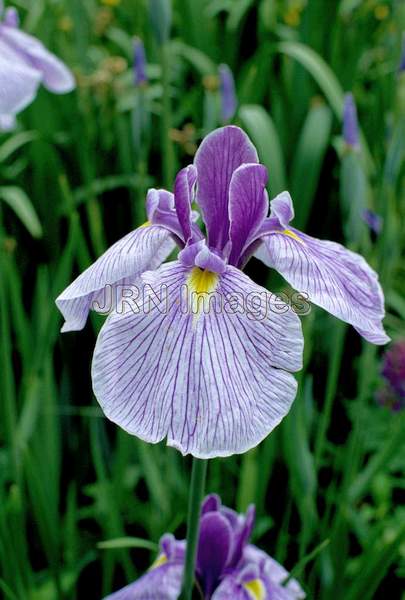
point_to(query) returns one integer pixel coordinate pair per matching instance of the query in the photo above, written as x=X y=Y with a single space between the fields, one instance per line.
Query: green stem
x=197 y=486
x=331 y=387
x=167 y=145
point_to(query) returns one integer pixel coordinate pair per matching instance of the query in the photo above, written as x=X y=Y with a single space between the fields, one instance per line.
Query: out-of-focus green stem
x=331 y=385
x=197 y=486
x=167 y=146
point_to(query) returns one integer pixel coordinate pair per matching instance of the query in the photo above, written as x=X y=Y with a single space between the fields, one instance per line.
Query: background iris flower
x=25 y=63
x=213 y=382
x=228 y=566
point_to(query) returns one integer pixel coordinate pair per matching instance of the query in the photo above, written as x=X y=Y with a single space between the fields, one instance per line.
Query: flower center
x=256 y=589
x=202 y=281
x=161 y=560
x=200 y=285
x=292 y=235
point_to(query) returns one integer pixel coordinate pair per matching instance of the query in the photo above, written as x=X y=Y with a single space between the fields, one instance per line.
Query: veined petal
x=56 y=77
x=142 y=249
x=18 y=82
x=248 y=206
x=214 y=547
x=163 y=579
x=159 y=583
x=338 y=280
x=282 y=208
x=183 y=189
x=272 y=571
x=213 y=382
x=162 y=208
x=219 y=155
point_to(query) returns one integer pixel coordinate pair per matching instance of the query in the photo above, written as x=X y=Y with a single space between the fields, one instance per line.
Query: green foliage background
x=329 y=482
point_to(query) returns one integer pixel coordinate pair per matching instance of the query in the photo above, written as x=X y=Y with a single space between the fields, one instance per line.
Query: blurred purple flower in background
x=374 y=221
x=227 y=567
x=24 y=64
x=350 y=123
x=214 y=382
x=392 y=394
x=139 y=62
x=227 y=92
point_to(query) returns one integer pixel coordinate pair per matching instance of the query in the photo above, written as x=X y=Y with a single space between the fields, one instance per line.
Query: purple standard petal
x=55 y=76
x=242 y=533
x=211 y=503
x=338 y=280
x=99 y=286
x=227 y=91
x=248 y=206
x=282 y=208
x=18 y=81
x=214 y=546
x=160 y=208
x=219 y=155
x=350 y=123
x=139 y=62
x=183 y=196
x=212 y=376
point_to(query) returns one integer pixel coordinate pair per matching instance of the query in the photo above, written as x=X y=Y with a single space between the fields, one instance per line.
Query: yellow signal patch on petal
x=161 y=560
x=256 y=589
x=146 y=224
x=292 y=235
x=201 y=283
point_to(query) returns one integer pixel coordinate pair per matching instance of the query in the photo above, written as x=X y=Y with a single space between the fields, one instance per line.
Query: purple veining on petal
x=219 y=155
x=248 y=206
x=335 y=278
x=183 y=197
x=281 y=207
x=236 y=363
x=142 y=249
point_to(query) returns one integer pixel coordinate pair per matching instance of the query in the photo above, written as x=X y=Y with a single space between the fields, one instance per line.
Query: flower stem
x=167 y=145
x=197 y=486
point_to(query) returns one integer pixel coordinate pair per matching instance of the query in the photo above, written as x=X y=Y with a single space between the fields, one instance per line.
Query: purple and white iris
x=25 y=63
x=214 y=382
x=227 y=565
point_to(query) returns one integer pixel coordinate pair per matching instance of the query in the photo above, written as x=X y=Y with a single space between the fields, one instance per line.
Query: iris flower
x=214 y=381
x=24 y=64
x=350 y=122
x=227 y=565
x=229 y=100
x=139 y=62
